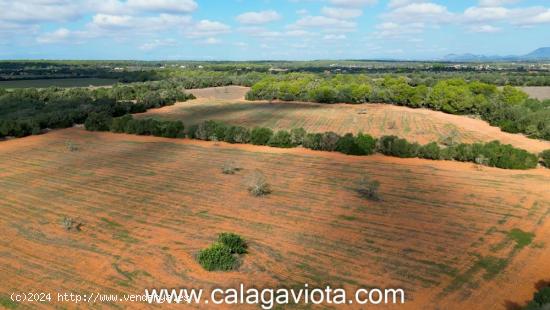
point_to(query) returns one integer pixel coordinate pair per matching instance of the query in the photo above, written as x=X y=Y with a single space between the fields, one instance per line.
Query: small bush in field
x=217 y=257
x=234 y=242
x=230 y=168
x=368 y=188
x=71 y=147
x=545 y=156
x=71 y=225
x=257 y=184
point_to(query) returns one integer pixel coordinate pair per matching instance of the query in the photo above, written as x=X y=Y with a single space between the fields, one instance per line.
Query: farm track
x=150 y=204
x=421 y=125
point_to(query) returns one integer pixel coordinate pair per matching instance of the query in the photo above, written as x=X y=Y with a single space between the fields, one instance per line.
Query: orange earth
x=421 y=125
x=148 y=205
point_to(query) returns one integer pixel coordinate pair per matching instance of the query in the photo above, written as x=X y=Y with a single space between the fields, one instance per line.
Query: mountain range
x=539 y=54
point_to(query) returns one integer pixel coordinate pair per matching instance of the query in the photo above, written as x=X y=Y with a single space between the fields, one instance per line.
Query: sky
x=270 y=29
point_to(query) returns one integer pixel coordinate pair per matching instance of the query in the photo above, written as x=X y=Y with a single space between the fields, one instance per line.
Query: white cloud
x=35 y=11
x=258 y=18
x=420 y=12
x=164 y=6
x=211 y=41
x=480 y=14
x=496 y=2
x=353 y=3
x=112 y=21
x=59 y=35
x=341 y=13
x=333 y=37
x=327 y=23
x=484 y=29
x=207 y=28
x=395 y=30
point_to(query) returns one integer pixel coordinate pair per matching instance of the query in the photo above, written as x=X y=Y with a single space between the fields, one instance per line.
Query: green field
x=42 y=83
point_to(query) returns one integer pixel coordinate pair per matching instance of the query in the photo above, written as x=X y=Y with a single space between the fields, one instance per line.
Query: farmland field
x=539 y=92
x=42 y=83
x=421 y=125
x=441 y=230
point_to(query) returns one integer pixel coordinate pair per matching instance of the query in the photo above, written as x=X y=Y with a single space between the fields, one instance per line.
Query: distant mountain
x=542 y=53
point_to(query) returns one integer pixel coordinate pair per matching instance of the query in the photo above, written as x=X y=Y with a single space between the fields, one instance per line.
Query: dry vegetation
x=539 y=92
x=419 y=125
x=452 y=236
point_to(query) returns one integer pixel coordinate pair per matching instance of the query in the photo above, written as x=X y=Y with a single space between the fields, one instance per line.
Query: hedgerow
x=492 y=154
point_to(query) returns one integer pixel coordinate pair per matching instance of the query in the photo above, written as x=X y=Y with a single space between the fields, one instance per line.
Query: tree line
x=509 y=108
x=26 y=112
x=492 y=154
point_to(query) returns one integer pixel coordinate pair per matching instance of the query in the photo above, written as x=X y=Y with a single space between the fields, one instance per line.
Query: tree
x=545 y=156
x=366 y=143
x=257 y=184
x=98 y=122
x=281 y=139
x=348 y=145
x=260 y=135
x=297 y=136
x=430 y=151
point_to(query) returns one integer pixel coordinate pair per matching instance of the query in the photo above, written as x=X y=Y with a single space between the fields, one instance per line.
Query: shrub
x=257 y=184
x=297 y=136
x=210 y=131
x=545 y=158
x=119 y=124
x=393 y=146
x=98 y=122
x=260 y=135
x=348 y=145
x=281 y=139
x=430 y=151
x=217 y=257
x=230 y=168
x=71 y=147
x=172 y=129
x=368 y=188
x=234 y=242
x=366 y=143
x=241 y=135
x=71 y=225
x=312 y=141
x=541 y=299
x=329 y=141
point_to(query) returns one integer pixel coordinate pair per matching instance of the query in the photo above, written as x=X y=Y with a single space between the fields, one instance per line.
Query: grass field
x=421 y=125
x=84 y=82
x=451 y=235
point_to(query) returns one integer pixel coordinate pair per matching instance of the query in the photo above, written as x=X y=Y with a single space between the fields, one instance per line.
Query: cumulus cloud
x=353 y=3
x=341 y=13
x=496 y=2
x=164 y=6
x=327 y=23
x=207 y=28
x=258 y=18
x=35 y=11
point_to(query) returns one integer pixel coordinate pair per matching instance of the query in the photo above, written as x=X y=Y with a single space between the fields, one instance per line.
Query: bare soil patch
x=148 y=205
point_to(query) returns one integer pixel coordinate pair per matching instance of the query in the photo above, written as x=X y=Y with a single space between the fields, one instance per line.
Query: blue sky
x=269 y=29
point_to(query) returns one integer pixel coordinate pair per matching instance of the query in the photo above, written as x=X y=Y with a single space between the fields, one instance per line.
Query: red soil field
x=421 y=125
x=149 y=204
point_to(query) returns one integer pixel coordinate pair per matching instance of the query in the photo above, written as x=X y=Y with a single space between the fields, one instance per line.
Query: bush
x=541 y=299
x=329 y=141
x=257 y=184
x=297 y=136
x=393 y=146
x=71 y=225
x=260 y=135
x=234 y=242
x=119 y=124
x=348 y=145
x=210 y=131
x=98 y=122
x=368 y=189
x=217 y=257
x=281 y=139
x=312 y=141
x=230 y=168
x=430 y=151
x=545 y=158
x=366 y=143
